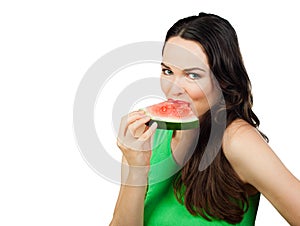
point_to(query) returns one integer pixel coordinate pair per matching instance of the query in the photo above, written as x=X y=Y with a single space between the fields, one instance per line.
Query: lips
x=177 y=101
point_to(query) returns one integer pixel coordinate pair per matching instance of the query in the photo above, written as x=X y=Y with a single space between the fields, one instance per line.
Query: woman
x=224 y=166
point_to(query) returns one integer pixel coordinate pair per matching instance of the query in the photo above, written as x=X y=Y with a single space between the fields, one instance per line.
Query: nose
x=177 y=86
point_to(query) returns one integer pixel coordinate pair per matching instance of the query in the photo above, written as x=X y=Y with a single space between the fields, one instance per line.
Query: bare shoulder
x=258 y=165
x=242 y=145
x=240 y=131
x=239 y=134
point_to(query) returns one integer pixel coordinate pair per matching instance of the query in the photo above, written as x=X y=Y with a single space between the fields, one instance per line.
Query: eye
x=193 y=76
x=166 y=71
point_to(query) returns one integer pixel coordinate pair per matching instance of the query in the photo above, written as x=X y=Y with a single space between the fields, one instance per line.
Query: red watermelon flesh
x=172 y=114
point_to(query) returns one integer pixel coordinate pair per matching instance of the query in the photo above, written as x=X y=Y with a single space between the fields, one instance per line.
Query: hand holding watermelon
x=134 y=138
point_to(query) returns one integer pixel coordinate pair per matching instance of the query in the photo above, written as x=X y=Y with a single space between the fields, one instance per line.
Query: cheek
x=196 y=93
x=200 y=102
x=205 y=90
x=203 y=98
x=200 y=91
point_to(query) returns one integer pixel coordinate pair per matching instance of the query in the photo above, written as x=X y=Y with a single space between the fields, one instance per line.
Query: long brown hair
x=217 y=191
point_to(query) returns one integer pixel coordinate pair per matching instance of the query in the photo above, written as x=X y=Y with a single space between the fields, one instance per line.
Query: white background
x=47 y=46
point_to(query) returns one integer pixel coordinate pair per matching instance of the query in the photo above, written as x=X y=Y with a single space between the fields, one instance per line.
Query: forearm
x=129 y=209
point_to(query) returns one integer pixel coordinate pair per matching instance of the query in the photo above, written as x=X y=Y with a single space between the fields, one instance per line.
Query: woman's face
x=186 y=75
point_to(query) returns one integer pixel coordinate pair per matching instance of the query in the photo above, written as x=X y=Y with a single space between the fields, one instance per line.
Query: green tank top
x=161 y=206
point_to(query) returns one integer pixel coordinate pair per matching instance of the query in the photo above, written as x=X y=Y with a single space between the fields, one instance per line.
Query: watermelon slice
x=172 y=115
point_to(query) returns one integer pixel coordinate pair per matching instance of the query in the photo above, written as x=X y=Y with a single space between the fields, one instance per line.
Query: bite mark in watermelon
x=172 y=115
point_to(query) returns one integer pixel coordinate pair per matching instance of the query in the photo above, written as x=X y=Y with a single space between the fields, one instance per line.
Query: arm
x=256 y=164
x=134 y=140
x=129 y=208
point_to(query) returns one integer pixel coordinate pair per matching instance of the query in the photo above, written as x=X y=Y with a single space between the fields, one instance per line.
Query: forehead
x=184 y=53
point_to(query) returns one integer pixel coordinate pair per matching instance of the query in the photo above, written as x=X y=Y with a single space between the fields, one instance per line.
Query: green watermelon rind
x=174 y=125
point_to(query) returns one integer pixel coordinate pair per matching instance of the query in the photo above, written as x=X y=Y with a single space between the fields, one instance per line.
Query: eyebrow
x=187 y=69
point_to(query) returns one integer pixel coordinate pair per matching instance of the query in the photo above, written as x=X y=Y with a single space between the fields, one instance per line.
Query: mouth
x=178 y=101
x=185 y=103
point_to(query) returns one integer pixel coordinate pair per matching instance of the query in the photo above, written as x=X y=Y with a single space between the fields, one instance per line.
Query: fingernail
x=154 y=124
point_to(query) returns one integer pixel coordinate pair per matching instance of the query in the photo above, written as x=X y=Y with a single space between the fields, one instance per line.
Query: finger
x=145 y=141
x=138 y=127
x=128 y=119
x=134 y=116
x=148 y=133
